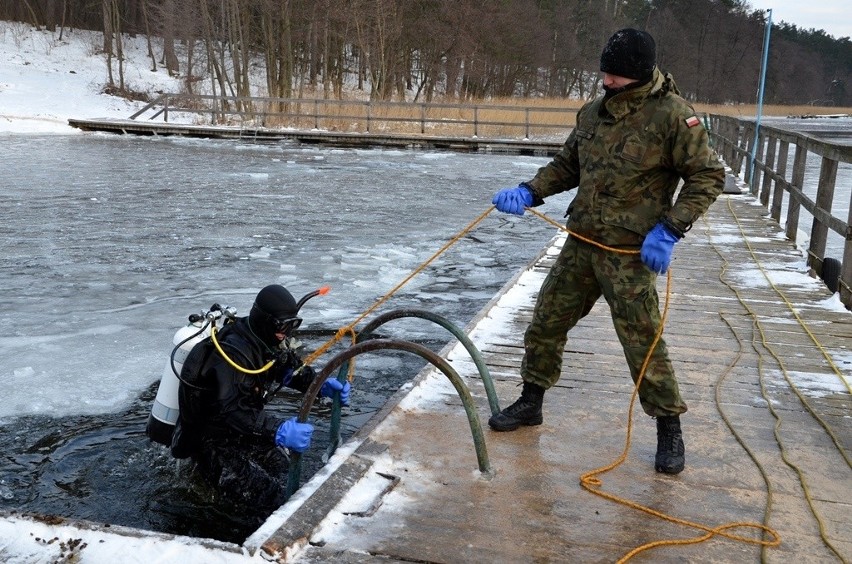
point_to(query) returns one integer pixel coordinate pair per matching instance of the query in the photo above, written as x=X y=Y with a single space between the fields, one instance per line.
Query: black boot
x=671 y=455
x=525 y=411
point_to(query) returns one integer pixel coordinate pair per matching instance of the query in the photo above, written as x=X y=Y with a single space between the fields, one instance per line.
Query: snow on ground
x=45 y=80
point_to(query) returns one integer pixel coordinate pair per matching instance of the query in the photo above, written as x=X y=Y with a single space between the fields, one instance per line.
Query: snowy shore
x=45 y=80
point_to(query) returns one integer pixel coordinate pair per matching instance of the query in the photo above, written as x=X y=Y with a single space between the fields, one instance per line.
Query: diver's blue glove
x=294 y=435
x=333 y=385
x=657 y=248
x=513 y=200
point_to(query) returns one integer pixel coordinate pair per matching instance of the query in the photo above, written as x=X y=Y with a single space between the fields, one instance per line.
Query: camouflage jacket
x=628 y=163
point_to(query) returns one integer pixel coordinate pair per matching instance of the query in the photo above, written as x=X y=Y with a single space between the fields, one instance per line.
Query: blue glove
x=657 y=248
x=513 y=200
x=333 y=385
x=294 y=435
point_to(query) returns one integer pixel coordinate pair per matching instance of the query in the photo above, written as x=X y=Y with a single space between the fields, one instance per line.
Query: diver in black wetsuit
x=239 y=448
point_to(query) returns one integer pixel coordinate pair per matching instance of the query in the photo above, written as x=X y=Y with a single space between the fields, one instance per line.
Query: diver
x=226 y=380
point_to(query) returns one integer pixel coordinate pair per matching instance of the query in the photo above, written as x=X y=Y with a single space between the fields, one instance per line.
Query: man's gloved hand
x=294 y=435
x=333 y=385
x=657 y=248
x=513 y=200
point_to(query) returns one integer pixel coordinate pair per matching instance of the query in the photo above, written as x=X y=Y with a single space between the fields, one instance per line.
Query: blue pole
x=760 y=96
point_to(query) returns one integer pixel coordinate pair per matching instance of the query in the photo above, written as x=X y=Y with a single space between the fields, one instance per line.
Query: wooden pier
x=318 y=137
x=762 y=355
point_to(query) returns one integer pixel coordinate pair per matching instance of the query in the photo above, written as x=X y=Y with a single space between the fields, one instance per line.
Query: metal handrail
x=252 y=108
x=336 y=361
x=367 y=331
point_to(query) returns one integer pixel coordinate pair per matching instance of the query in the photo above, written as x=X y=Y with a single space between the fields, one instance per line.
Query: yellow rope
x=590 y=480
x=350 y=329
x=777 y=428
x=718 y=393
x=789 y=305
x=718 y=400
x=782 y=366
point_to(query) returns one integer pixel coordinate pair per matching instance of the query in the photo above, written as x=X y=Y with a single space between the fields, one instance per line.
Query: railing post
x=797 y=181
x=845 y=286
x=422 y=118
x=476 y=121
x=778 y=192
x=771 y=143
x=166 y=109
x=740 y=138
x=527 y=125
x=369 y=107
x=758 y=166
x=316 y=114
x=824 y=198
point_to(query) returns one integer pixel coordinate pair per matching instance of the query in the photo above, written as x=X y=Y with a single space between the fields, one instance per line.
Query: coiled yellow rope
x=758 y=330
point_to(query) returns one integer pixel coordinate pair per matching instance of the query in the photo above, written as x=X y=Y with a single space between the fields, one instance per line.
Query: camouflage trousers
x=581 y=274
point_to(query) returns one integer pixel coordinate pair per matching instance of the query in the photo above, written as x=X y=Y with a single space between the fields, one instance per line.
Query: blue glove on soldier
x=657 y=248
x=294 y=435
x=333 y=385
x=513 y=200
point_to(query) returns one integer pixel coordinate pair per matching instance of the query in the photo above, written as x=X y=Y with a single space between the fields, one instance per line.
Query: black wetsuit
x=222 y=424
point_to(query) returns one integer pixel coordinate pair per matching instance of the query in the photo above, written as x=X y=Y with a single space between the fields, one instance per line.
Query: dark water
x=104 y=469
x=111 y=242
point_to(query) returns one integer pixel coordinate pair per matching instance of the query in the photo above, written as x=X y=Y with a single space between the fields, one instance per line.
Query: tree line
x=461 y=50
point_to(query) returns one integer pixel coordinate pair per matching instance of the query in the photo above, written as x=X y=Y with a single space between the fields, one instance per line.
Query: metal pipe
x=760 y=96
x=382 y=344
x=484 y=374
x=475 y=355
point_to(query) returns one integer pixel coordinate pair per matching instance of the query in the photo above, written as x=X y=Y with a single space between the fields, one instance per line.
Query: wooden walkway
x=320 y=137
x=764 y=362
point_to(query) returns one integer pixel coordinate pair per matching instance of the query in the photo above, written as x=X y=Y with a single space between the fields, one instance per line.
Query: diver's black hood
x=273 y=302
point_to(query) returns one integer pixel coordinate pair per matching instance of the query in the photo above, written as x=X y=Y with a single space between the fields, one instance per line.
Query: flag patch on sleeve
x=692 y=121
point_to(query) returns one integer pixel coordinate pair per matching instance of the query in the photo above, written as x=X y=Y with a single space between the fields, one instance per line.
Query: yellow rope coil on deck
x=590 y=481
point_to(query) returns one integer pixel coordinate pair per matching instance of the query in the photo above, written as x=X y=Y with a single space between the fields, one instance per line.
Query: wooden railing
x=461 y=120
x=765 y=166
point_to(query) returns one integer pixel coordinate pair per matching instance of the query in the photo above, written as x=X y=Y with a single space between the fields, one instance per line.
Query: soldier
x=626 y=155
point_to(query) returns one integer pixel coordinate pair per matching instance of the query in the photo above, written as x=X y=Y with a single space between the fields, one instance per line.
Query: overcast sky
x=834 y=16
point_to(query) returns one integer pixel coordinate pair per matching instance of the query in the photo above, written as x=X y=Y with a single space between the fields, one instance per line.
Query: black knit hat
x=273 y=302
x=630 y=53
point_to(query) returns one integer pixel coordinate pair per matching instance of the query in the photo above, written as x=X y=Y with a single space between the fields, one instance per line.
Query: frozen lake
x=110 y=242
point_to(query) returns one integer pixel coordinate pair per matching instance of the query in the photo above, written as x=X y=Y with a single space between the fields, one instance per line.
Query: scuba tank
x=164 y=412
